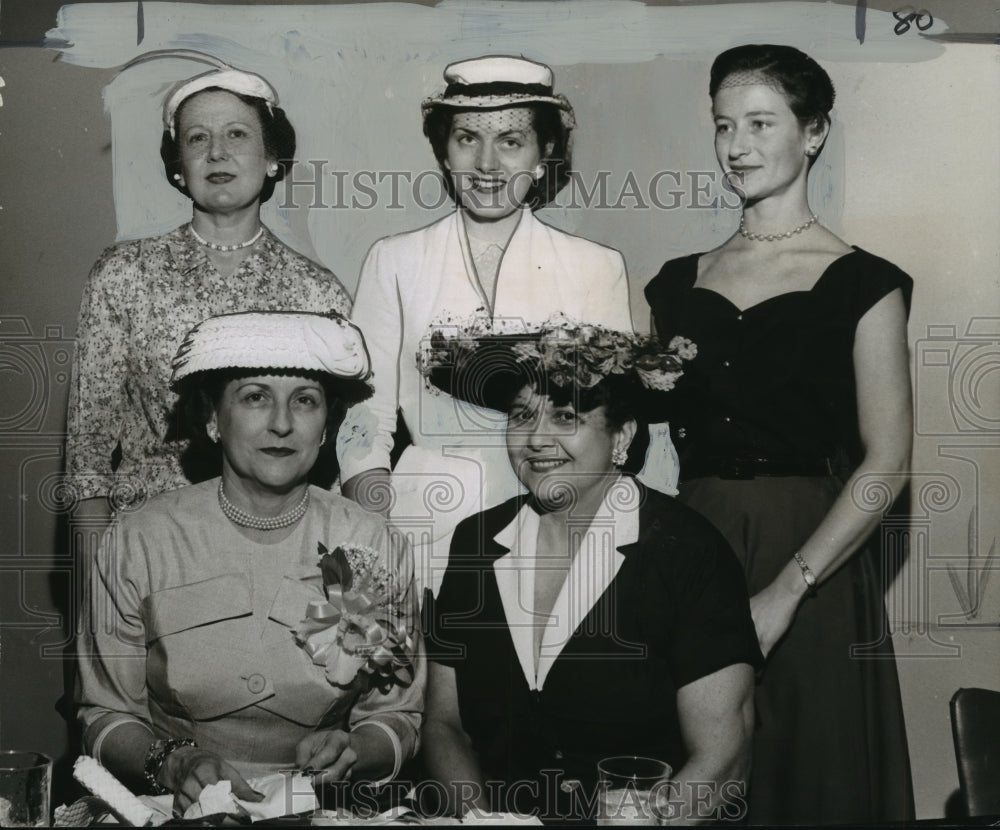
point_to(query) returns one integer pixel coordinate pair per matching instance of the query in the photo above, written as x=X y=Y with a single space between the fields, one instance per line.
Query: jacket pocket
x=204 y=657
x=184 y=607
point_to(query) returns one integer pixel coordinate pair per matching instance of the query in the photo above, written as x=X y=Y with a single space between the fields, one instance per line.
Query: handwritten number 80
x=906 y=15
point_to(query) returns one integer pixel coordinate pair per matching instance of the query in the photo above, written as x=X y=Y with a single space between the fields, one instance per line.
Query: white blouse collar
x=593 y=568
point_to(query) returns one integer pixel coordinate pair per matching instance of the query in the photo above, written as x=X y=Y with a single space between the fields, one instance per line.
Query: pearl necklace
x=244 y=519
x=774 y=237
x=215 y=246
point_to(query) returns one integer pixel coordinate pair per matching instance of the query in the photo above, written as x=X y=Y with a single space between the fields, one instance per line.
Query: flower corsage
x=359 y=634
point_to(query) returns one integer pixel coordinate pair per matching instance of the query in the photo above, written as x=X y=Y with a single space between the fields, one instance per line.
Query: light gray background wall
x=910 y=173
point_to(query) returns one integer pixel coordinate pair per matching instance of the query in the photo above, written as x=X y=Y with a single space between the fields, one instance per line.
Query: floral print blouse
x=140 y=300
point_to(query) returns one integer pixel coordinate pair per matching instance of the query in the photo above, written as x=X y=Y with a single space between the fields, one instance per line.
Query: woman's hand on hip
x=329 y=753
x=188 y=770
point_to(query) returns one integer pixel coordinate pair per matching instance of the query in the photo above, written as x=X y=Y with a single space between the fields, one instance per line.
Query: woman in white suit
x=502 y=139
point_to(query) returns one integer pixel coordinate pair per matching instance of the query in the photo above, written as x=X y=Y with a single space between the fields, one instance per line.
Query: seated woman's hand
x=188 y=770
x=329 y=752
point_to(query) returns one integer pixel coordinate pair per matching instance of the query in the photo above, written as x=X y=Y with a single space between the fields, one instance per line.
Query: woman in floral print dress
x=225 y=145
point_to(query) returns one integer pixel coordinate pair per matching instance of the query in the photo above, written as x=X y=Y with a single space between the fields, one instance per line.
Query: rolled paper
x=322 y=611
x=89 y=772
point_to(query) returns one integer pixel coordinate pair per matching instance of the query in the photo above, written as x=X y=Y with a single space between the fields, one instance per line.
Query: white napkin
x=283 y=795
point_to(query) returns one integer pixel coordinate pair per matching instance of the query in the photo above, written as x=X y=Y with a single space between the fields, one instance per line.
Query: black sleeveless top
x=776 y=379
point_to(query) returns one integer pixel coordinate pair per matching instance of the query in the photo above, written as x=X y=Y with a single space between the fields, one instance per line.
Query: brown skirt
x=829 y=741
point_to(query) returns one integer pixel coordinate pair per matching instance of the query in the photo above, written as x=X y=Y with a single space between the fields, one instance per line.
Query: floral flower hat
x=487 y=362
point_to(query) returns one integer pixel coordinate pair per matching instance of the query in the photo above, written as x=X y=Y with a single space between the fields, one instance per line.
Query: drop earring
x=322 y=439
x=213 y=433
x=618 y=456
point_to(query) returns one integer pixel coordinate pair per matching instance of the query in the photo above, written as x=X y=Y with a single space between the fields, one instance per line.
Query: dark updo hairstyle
x=276 y=130
x=201 y=393
x=806 y=85
x=623 y=397
x=549 y=127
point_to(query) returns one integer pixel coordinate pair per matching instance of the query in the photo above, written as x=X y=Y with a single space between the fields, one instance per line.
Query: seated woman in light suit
x=190 y=669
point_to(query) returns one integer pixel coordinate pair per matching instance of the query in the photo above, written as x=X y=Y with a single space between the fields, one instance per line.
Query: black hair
x=546 y=119
x=806 y=85
x=623 y=397
x=276 y=130
x=201 y=393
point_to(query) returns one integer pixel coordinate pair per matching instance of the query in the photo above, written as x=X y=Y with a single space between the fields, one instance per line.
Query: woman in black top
x=593 y=617
x=793 y=426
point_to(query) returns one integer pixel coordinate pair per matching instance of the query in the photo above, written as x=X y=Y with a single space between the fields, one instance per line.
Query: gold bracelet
x=807 y=574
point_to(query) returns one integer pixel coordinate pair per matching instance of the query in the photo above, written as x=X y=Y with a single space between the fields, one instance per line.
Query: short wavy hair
x=277 y=131
x=547 y=121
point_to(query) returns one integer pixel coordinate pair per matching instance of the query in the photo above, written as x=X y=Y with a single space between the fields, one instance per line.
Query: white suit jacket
x=409 y=279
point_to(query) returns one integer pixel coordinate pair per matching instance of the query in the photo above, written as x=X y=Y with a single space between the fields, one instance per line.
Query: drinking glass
x=624 y=784
x=25 y=789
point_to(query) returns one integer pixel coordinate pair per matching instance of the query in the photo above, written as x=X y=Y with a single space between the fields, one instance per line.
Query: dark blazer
x=675 y=610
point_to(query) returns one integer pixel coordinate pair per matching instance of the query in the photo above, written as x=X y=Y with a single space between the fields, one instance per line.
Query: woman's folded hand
x=773 y=609
x=188 y=770
x=328 y=754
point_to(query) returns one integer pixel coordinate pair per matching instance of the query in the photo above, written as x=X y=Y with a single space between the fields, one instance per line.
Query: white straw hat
x=496 y=81
x=275 y=340
x=229 y=79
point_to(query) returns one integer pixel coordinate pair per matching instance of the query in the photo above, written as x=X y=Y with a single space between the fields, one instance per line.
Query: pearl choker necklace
x=774 y=237
x=215 y=246
x=244 y=519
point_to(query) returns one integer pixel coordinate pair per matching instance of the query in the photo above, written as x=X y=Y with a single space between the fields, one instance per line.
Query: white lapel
x=470 y=267
x=593 y=568
x=528 y=282
x=515 y=575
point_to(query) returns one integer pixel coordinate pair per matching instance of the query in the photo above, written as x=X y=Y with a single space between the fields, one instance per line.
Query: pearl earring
x=618 y=456
x=322 y=439
x=213 y=433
